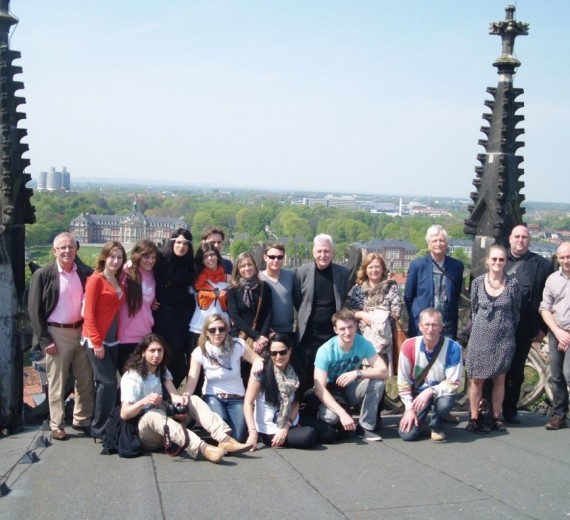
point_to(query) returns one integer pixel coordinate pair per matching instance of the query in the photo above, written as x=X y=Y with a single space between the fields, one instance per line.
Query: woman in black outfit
x=271 y=405
x=174 y=273
x=250 y=316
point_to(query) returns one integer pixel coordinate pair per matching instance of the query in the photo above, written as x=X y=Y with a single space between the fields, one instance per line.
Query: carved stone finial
x=508 y=30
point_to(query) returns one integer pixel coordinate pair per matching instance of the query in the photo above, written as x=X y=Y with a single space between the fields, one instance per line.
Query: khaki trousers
x=151 y=427
x=70 y=354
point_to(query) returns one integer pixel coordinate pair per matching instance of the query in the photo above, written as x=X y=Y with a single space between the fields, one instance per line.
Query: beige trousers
x=151 y=427
x=70 y=354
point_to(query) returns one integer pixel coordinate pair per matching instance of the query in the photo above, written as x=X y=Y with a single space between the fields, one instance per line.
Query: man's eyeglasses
x=275 y=353
x=214 y=330
x=66 y=248
x=500 y=260
x=276 y=257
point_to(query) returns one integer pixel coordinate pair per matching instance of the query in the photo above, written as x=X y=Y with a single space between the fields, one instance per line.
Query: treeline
x=248 y=219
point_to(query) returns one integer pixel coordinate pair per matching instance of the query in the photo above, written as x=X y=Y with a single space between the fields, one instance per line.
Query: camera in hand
x=173 y=409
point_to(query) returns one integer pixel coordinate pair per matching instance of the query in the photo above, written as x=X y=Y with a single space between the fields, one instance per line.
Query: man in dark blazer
x=54 y=307
x=320 y=291
x=434 y=281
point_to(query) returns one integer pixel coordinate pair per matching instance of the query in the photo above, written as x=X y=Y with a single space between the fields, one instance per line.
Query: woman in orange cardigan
x=103 y=299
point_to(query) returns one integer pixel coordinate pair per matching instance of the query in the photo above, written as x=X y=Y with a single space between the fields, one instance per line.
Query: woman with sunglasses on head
x=495 y=306
x=272 y=403
x=174 y=273
x=220 y=356
x=139 y=285
x=103 y=299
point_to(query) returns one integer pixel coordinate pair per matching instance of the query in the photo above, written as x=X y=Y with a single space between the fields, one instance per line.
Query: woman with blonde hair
x=495 y=307
x=250 y=303
x=219 y=355
x=375 y=301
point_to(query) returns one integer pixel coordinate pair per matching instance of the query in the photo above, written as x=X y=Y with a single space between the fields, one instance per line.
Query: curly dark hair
x=137 y=363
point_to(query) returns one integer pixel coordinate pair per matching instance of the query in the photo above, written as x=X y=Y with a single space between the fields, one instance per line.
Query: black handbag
x=122 y=437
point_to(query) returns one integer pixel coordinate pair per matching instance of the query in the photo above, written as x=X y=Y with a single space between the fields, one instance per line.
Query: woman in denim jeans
x=220 y=356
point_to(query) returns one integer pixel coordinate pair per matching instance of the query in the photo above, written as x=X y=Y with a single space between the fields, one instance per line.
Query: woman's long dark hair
x=268 y=382
x=172 y=269
x=133 y=282
x=137 y=363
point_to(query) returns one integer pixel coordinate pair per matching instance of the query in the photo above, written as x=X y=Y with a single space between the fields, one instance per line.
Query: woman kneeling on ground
x=272 y=402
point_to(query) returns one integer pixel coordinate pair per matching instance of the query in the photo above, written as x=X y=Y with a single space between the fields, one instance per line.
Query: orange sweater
x=101 y=305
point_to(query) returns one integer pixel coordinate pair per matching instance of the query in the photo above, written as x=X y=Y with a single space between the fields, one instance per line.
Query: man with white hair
x=434 y=281
x=320 y=291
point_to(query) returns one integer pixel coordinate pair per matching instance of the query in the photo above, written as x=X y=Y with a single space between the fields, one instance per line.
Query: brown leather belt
x=229 y=396
x=75 y=325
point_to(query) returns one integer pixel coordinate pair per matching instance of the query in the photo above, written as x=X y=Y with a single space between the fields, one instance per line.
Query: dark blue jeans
x=439 y=407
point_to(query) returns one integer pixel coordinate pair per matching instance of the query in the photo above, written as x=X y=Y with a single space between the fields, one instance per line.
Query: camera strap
x=170 y=447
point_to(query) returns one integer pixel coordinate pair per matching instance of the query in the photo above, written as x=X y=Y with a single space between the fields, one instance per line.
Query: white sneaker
x=369 y=436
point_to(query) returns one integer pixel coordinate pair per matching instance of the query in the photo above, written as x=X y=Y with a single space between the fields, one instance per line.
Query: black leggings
x=301 y=437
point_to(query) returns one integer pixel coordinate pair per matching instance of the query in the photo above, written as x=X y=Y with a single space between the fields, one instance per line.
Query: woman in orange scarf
x=209 y=287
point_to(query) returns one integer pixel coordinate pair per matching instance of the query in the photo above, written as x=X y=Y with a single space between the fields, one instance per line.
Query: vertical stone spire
x=15 y=211
x=496 y=207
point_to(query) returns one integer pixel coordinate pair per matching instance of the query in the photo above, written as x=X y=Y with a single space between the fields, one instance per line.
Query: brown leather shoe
x=230 y=445
x=59 y=434
x=556 y=423
x=212 y=453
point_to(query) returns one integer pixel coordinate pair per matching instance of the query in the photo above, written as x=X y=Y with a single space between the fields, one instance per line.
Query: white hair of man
x=59 y=237
x=435 y=230
x=323 y=237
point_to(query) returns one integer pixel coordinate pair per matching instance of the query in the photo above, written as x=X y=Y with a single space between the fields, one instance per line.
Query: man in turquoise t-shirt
x=340 y=383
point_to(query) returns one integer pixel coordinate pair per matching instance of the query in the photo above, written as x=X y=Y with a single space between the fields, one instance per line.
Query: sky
x=353 y=96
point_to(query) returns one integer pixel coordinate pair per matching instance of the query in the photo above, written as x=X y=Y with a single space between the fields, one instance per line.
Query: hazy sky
x=369 y=96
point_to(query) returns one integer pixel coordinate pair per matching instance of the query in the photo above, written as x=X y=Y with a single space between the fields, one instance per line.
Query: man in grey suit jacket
x=320 y=291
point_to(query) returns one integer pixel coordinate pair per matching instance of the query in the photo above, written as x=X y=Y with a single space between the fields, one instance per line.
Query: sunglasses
x=213 y=330
x=500 y=260
x=276 y=257
x=275 y=353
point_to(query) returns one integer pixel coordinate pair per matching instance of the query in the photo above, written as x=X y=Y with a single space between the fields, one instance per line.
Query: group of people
x=285 y=357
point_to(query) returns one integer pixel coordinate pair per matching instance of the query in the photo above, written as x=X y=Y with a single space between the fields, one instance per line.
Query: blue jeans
x=439 y=407
x=559 y=377
x=231 y=412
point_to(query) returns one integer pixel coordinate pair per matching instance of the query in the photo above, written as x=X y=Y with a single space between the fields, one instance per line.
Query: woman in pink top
x=103 y=299
x=138 y=284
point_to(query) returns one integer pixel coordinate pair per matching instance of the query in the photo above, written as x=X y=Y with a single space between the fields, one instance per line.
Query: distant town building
x=54 y=180
x=98 y=229
x=396 y=253
x=330 y=201
x=465 y=245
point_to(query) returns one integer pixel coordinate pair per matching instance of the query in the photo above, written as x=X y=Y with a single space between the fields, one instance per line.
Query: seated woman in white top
x=220 y=356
